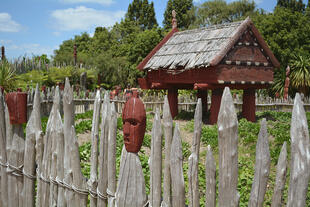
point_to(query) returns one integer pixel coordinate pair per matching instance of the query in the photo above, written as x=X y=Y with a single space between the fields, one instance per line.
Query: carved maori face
x=134 y=123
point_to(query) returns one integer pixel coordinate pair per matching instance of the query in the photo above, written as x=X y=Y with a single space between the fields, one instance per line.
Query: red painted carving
x=248 y=105
x=134 y=123
x=287 y=83
x=17 y=106
x=215 y=105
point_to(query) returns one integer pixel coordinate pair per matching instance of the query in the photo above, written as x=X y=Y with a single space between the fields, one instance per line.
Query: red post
x=215 y=105
x=173 y=101
x=203 y=94
x=248 y=106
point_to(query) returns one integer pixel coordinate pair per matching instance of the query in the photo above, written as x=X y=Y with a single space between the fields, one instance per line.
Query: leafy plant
x=7 y=76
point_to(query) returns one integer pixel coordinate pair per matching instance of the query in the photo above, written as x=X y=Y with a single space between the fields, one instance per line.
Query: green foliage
x=86 y=115
x=219 y=11
x=300 y=74
x=294 y=5
x=83 y=126
x=182 y=8
x=142 y=13
x=7 y=76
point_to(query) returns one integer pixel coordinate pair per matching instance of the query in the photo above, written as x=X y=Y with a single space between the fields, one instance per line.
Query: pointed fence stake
x=280 y=178
x=210 y=179
x=262 y=167
x=228 y=151
x=131 y=185
x=176 y=168
x=103 y=153
x=193 y=185
x=33 y=132
x=112 y=158
x=167 y=125
x=300 y=156
x=197 y=128
x=92 y=182
x=156 y=160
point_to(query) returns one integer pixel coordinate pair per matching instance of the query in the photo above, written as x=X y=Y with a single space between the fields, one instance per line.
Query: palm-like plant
x=7 y=76
x=300 y=74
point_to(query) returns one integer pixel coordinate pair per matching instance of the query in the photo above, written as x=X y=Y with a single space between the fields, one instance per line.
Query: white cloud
x=83 y=18
x=103 y=2
x=7 y=24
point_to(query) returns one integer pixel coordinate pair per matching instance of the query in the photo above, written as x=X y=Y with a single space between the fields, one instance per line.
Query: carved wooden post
x=197 y=128
x=280 y=178
x=103 y=152
x=156 y=162
x=228 y=151
x=112 y=157
x=262 y=167
x=210 y=179
x=203 y=95
x=176 y=167
x=131 y=185
x=300 y=156
x=248 y=105
x=167 y=122
x=2 y=53
x=94 y=151
x=173 y=101
x=3 y=154
x=215 y=105
x=33 y=133
x=68 y=108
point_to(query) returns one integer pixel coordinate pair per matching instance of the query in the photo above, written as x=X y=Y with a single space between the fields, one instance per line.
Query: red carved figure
x=134 y=123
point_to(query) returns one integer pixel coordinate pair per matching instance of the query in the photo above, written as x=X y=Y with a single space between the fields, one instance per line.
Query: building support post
x=173 y=101
x=203 y=94
x=215 y=104
x=248 y=105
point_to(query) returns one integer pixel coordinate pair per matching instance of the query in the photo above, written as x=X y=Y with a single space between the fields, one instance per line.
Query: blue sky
x=34 y=27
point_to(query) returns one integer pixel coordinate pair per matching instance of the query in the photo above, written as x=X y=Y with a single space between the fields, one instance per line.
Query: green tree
x=300 y=74
x=182 y=8
x=219 y=11
x=294 y=5
x=142 y=13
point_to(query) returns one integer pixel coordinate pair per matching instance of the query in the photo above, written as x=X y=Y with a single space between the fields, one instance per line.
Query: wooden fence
x=51 y=160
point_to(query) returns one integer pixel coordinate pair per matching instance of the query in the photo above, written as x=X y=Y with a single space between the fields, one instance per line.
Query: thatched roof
x=199 y=47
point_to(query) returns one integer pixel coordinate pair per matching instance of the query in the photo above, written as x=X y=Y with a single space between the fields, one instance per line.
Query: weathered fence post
x=300 y=156
x=3 y=154
x=68 y=106
x=280 y=178
x=112 y=157
x=197 y=128
x=176 y=168
x=167 y=123
x=228 y=151
x=93 y=182
x=262 y=166
x=103 y=153
x=47 y=154
x=210 y=179
x=156 y=161
x=33 y=132
x=131 y=185
x=79 y=184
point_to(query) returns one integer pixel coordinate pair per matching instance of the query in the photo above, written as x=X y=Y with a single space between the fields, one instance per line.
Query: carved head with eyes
x=134 y=123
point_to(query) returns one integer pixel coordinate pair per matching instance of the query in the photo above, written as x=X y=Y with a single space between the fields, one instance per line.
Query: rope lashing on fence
x=17 y=171
x=101 y=195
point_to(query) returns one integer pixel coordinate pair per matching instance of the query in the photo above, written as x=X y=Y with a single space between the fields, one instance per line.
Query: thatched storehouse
x=233 y=55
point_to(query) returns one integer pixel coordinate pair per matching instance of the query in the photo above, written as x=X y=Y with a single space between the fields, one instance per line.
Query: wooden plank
x=112 y=157
x=3 y=154
x=156 y=161
x=210 y=179
x=228 y=151
x=68 y=108
x=79 y=183
x=92 y=182
x=262 y=167
x=176 y=167
x=197 y=128
x=300 y=156
x=167 y=126
x=193 y=185
x=33 y=132
x=280 y=178
x=131 y=185
x=103 y=152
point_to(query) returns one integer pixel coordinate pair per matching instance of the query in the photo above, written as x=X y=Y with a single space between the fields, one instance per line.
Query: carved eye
x=133 y=123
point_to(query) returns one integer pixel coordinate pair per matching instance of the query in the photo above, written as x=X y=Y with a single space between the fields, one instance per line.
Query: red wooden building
x=233 y=55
